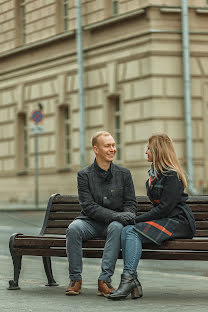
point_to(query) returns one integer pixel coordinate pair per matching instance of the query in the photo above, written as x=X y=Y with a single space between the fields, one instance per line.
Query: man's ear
x=95 y=149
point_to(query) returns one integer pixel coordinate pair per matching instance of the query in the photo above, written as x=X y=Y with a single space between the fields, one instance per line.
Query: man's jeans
x=131 y=243
x=81 y=230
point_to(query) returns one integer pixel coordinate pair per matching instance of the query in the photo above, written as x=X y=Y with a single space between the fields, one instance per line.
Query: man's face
x=105 y=149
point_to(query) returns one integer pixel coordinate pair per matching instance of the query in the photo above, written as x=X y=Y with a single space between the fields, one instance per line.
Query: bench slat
x=63 y=215
x=157 y=255
x=203 y=225
x=201 y=233
x=46 y=242
x=199 y=216
x=65 y=207
x=174 y=255
x=60 y=231
x=141 y=208
x=58 y=223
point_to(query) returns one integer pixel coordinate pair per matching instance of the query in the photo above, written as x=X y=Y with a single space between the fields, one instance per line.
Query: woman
x=169 y=217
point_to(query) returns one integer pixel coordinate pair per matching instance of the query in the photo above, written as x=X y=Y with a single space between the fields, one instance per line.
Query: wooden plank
x=198 y=199
x=64 y=199
x=179 y=245
x=56 y=252
x=202 y=225
x=66 y=207
x=99 y=243
x=201 y=233
x=39 y=243
x=199 y=207
x=57 y=231
x=157 y=255
x=58 y=223
x=201 y=216
x=169 y=255
x=63 y=215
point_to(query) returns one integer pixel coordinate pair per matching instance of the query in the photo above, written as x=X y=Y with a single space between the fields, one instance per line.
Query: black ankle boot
x=128 y=284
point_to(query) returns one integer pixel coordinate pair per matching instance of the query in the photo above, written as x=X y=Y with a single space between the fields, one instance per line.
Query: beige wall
x=138 y=58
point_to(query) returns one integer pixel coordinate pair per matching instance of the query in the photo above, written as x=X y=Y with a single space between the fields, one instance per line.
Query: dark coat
x=170 y=217
x=101 y=192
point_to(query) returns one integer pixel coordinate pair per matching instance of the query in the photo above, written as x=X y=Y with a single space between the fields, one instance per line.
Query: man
x=107 y=197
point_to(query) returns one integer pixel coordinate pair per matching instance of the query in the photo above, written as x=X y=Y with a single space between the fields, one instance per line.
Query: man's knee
x=73 y=231
x=115 y=227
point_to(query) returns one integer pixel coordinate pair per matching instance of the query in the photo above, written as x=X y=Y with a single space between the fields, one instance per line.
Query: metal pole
x=80 y=82
x=187 y=97
x=36 y=170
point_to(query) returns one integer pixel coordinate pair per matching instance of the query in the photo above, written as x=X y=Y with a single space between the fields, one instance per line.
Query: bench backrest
x=62 y=209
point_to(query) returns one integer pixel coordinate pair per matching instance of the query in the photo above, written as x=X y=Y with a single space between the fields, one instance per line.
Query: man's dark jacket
x=101 y=192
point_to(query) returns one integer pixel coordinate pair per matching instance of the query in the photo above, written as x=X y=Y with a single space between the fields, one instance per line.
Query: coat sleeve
x=89 y=206
x=170 y=197
x=129 y=198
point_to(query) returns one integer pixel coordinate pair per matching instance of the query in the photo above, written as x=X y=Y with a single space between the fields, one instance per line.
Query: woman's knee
x=127 y=229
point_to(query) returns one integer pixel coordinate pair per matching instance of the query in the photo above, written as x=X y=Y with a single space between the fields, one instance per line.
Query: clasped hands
x=124 y=217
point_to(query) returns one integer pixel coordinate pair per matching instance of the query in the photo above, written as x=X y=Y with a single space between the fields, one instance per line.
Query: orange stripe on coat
x=160 y=227
x=151 y=180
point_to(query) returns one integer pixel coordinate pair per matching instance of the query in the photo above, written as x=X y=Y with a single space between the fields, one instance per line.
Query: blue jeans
x=131 y=243
x=81 y=230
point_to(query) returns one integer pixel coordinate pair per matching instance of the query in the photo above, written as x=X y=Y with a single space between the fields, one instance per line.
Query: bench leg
x=48 y=271
x=17 y=261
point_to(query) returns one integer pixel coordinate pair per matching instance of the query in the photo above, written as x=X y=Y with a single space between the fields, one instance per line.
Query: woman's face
x=149 y=154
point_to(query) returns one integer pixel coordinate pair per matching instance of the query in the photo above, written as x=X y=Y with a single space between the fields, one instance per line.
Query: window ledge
x=22 y=172
x=170 y=10
x=114 y=19
x=38 y=44
x=202 y=11
x=64 y=170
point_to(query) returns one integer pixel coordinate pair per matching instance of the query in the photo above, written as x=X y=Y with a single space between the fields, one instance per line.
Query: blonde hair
x=95 y=137
x=164 y=155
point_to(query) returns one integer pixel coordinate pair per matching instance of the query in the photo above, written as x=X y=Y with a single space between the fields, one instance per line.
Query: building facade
x=133 y=80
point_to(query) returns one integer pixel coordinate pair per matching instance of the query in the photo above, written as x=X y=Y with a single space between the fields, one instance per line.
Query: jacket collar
x=106 y=175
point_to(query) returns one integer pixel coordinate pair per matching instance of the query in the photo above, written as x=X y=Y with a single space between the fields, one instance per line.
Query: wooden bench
x=62 y=210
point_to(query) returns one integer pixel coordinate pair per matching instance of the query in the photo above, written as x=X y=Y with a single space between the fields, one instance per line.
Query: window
x=22 y=142
x=111 y=8
x=113 y=120
x=63 y=137
x=65 y=14
x=67 y=135
x=20 y=22
x=115 y=7
x=117 y=125
x=62 y=15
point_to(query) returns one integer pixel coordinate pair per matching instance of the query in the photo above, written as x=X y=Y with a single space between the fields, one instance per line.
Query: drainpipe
x=80 y=81
x=187 y=97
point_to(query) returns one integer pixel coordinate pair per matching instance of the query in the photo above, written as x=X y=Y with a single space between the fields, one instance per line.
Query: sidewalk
x=167 y=285
x=163 y=291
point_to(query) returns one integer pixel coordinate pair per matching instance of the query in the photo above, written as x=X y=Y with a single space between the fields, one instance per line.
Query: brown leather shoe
x=104 y=288
x=74 y=288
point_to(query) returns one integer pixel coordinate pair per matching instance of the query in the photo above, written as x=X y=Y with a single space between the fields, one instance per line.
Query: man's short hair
x=95 y=137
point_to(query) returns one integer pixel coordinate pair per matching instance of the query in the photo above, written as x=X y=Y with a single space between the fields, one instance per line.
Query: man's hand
x=124 y=218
